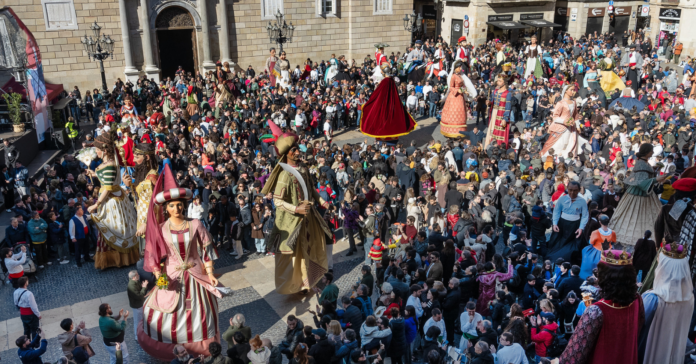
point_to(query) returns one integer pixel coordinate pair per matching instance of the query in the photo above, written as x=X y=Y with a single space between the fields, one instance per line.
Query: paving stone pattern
x=259 y=315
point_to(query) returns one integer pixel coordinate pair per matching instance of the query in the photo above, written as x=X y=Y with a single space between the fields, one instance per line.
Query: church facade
x=155 y=37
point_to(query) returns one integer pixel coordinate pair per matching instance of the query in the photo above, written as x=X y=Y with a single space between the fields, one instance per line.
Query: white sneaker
x=245 y=251
x=49 y=263
x=234 y=254
x=41 y=267
x=238 y=257
x=65 y=261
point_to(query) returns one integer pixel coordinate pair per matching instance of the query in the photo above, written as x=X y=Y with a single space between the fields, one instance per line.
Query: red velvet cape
x=383 y=115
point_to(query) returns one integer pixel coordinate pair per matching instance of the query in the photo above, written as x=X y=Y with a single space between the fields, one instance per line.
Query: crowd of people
x=511 y=241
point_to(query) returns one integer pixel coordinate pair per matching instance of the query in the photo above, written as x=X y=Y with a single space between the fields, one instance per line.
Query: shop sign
x=562 y=11
x=645 y=10
x=622 y=10
x=500 y=17
x=573 y=17
x=536 y=16
x=595 y=12
x=670 y=14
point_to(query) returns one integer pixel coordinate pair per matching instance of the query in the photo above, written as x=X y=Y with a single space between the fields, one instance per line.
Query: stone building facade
x=669 y=21
x=588 y=17
x=153 y=37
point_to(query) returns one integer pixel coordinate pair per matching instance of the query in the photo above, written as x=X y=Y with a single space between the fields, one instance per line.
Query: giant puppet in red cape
x=383 y=116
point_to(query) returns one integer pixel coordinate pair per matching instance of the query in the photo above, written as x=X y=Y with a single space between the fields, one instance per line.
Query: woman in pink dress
x=186 y=311
x=454 y=112
x=564 y=138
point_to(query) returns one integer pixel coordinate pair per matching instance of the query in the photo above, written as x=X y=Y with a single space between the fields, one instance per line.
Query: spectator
x=28 y=310
x=136 y=298
x=236 y=324
x=113 y=331
x=75 y=338
x=30 y=351
x=37 y=229
x=14 y=264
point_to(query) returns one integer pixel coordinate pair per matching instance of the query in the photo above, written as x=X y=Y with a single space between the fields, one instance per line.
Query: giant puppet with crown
x=182 y=309
x=609 y=328
x=383 y=116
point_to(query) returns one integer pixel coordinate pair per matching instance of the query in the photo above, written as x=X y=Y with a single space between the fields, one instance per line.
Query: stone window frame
x=72 y=12
x=271 y=16
x=387 y=7
x=327 y=14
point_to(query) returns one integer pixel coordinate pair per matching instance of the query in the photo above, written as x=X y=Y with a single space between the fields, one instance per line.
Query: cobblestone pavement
x=62 y=285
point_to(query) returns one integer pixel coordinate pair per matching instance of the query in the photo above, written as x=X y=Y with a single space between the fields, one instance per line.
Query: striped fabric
x=173 y=194
x=195 y=316
x=108 y=176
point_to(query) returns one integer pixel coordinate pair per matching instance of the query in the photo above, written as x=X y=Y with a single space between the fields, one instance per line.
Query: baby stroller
x=29 y=265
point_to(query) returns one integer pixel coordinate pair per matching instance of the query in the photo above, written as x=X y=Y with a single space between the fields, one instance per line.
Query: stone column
x=150 y=68
x=205 y=35
x=130 y=71
x=223 y=38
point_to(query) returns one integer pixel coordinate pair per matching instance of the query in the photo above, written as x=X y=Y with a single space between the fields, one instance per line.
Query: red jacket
x=543 y=338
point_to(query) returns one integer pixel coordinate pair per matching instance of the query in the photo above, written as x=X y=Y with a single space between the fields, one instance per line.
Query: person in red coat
x=544 y=329
x=126 y=150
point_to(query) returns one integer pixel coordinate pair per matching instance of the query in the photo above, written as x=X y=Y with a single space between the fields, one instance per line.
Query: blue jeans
x=367 y=246
x=359 y=114
x=75 y=112
x=433 y=109
x=260 y=245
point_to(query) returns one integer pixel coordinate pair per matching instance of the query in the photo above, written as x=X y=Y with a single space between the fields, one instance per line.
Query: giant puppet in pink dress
x=128 y=111
x=184 y=311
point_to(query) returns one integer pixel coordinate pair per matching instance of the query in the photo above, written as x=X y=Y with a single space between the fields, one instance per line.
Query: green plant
x=13 y=100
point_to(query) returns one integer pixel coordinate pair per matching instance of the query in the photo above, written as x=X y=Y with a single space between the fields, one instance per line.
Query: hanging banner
x=36 y=86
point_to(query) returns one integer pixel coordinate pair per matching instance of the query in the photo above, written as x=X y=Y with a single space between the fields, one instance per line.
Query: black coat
x=353 y=315
x=322 y=351
x=398 y=343
x=571 y=283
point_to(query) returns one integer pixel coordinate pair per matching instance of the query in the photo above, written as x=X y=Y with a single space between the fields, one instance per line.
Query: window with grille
x=383 y=7
x=269 y=8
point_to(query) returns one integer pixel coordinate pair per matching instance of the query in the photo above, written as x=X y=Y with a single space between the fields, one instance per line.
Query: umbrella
x=628 y=103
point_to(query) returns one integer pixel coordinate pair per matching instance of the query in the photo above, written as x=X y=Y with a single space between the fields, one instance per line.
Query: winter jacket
x=543 y=338
x=398 y=342
x=354 y=316
x=343 y=353
x=30 y=355
x=411 y=329
x=293 y=337
x=322 y=351
x=372 y=332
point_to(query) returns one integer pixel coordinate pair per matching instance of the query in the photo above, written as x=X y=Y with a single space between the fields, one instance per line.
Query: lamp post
x=280 y=32
x=412 y=23
x=99 y=49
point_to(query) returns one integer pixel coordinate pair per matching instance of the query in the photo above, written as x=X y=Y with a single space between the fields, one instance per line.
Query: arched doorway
x=176 y=41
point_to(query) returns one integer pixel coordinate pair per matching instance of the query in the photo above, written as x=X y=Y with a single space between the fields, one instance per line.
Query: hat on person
x=548 y=315
x=531 y=277
x=685 y=184
x=419 y=42
x=461 y=39
x=537 y=211
x=319 y=332
x=171 y=190
x=484 y=174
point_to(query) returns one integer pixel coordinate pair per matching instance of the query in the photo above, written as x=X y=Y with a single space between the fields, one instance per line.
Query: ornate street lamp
x=99 y=49
x=280 y=32
x=412 y=23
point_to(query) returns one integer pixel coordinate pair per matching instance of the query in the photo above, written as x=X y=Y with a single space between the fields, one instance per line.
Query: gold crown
x=617 y=257
x=674 y=250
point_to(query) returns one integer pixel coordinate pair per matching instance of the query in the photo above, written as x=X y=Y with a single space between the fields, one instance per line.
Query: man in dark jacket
x=352 y=317
x=450 y=306
x=349 y=344
x=323 y=350
x=293 y=336
x=30 y=351
x=530 y=293
x=571 y=283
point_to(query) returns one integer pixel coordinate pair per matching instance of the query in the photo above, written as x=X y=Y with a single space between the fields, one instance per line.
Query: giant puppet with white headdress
x=564 y=138
x=664 y=335
x=380 y=59
x=182 y=309
x=454 y=112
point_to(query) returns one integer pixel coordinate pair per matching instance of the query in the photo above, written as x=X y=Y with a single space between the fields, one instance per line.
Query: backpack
x=366 y=307
x=323 y=194
x=557 y=345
